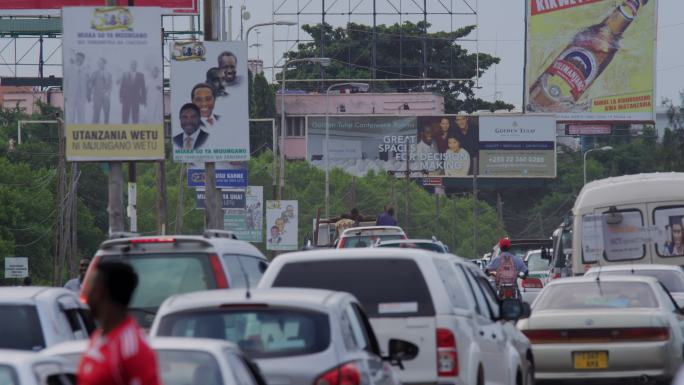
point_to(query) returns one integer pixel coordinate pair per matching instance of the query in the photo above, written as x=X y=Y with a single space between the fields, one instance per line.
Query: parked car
x=32 y=317
x=170 y=265
x=296 y=336
x=369 y=236
x=608 y=327
x=183 y=361
x=434 y=301
x=425 y=244
x=30 y=368
x=670 y=276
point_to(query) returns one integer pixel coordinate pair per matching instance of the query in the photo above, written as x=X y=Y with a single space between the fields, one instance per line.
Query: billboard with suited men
x=209 y=102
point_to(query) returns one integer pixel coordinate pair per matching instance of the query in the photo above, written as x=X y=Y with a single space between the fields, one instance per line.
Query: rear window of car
x=385 y=287
x=367 y=240
x=20 y=328
x=535 y=262
x=596 y=295
x=243 y=269
x=260 y=332
x=8 y=375
x=672 y=280
x=163 y=275
x=188 y=367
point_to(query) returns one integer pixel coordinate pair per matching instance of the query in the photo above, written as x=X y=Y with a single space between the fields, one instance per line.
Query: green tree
x=400 y=53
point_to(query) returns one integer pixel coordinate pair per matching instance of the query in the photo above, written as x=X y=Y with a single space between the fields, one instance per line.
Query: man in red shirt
x=117 y=353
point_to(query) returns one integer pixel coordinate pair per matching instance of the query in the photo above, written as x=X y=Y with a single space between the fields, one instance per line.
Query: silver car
x=610 y=327
x=296 y=336
x=30 y=368
x=34 y=317
x=196 y=361
x=672 y=277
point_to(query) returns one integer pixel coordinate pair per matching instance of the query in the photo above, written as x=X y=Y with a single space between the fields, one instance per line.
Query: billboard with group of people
x=444 y=145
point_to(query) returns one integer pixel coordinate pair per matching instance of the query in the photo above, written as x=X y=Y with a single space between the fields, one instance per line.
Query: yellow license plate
x=590 y=360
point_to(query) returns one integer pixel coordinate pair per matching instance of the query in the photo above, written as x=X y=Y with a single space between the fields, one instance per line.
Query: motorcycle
x=509 y=290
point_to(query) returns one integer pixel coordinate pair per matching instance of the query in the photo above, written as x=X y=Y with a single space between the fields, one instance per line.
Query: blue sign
x=224 y=178
x=230 y=199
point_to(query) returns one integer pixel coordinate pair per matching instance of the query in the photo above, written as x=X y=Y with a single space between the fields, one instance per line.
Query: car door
x=381 y=371
x=489 y=335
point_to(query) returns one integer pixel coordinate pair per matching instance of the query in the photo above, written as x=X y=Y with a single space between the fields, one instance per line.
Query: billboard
x=247 y=224
x=591 y=60
x=517 y=146
x=224 y=178
x=113 y=83
x=230 y=199
x=53 y=7
x=442 y=146
x=209 y=103
x=282 y=225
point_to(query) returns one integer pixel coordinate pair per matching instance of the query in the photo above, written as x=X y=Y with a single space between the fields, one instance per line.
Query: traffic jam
x=598 y=301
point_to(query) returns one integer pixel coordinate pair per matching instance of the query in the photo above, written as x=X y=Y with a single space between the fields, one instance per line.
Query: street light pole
x=324 y=61
x=327 y=139
x=278 y=22
x=584 y=162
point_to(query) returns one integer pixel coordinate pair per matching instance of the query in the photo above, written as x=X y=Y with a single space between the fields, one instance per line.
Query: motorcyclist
x=506 y=266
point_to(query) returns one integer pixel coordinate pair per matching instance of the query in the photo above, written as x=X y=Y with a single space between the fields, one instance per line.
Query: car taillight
x=219 y=274
x=555 y=276
x=447 y=355
x=85 y=285
x=576 y=336
x=347 y=374
x=532 y=283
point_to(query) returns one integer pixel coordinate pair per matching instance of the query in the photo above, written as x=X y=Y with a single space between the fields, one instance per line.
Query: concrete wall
x=363 y=103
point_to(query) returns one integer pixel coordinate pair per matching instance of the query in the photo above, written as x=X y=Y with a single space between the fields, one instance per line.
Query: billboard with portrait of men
x=113 y=83
x=209 y=101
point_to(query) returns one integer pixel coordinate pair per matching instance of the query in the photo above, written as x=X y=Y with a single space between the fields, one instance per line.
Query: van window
x=452 y=283
x=616 y=236
x=403 y=292
x=668 y=234
x=242 y=268
x=20 y=328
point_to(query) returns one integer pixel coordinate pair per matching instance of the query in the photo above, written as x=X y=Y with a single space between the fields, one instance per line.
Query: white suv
x=436 y=301
x=369 y=236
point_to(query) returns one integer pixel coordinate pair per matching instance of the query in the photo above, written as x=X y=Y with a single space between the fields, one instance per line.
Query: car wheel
x=480 y=376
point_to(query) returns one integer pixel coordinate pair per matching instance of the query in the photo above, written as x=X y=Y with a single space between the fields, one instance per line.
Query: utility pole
x=181 y=208
x=476 y=209
x=499 y=206
x=115 y=206
x=161 y=197
x=61 y=187
x=213 y=211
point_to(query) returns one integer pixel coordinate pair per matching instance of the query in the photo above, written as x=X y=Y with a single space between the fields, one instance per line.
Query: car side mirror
x=513 y=310
x=399 y=351
x=262 y=266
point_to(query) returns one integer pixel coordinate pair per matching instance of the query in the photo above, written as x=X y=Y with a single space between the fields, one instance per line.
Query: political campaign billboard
x=591 y=60
x=113 y=83
x=282 y=225
x=247 y=224
x=209 y=101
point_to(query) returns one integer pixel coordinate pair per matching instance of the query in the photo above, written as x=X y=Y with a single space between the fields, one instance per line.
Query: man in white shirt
x=204 y=96
x=426 y=150
x=76 y=283
x=192 y=136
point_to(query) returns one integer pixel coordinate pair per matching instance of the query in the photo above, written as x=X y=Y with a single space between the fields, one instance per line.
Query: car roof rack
x=122 y=234
x=219 y=234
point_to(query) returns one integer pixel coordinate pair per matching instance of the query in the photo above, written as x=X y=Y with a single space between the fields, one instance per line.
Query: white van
x=628 y=219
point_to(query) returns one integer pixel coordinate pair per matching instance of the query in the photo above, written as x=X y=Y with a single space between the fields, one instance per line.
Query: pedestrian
x=75 y=284
x=117 y=353
x=387 y=218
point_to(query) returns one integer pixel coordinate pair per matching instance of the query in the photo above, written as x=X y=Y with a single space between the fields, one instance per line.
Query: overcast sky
x=501 y=33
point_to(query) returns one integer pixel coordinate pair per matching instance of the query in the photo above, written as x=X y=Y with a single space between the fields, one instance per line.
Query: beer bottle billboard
x=574 y=82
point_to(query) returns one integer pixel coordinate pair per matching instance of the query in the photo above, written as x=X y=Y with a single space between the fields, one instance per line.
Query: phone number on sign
x=516 y=159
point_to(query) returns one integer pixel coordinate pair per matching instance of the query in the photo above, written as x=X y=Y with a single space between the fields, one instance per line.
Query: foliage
x=400 y=53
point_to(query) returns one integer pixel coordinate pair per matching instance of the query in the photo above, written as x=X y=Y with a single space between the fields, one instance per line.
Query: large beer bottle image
x=563 y=83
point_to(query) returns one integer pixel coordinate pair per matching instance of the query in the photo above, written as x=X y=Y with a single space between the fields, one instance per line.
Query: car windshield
x=403 y=293
x=259 y=331
x=20 y=328
x=163 y=275
x=188 y=367
x=536 y=263
x=671 y=279
x=8 y=376
x=417 y=245
x=596 y=295
x=367 y=240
